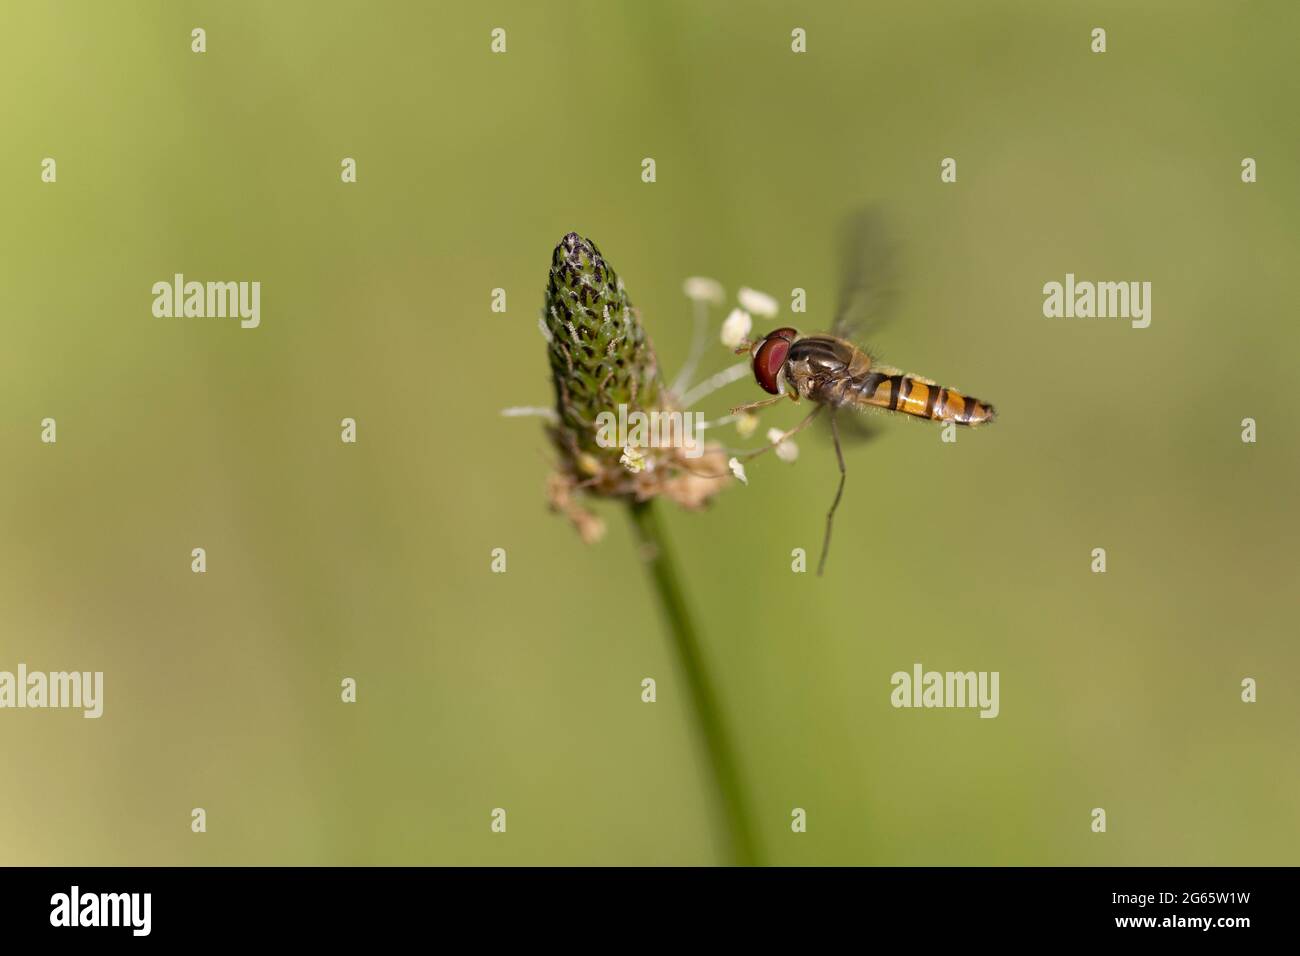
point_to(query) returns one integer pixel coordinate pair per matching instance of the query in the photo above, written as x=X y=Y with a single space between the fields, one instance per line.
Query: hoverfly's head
x=769 y=354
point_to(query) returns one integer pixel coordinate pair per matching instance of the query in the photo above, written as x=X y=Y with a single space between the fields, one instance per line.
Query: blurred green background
x=522 y=690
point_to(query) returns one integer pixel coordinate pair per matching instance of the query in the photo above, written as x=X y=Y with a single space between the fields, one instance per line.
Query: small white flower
x=746 y=424
x=700 y=289
x=541 y=327
x=760 y=303
x=632 y=460
x=738 y=470
x=736 y=328
x=785 y=450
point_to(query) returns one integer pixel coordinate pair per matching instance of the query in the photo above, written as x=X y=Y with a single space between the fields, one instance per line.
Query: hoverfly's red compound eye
x=769 y=357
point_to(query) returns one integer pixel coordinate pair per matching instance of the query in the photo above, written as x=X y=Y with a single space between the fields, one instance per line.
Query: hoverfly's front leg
x=750 y=406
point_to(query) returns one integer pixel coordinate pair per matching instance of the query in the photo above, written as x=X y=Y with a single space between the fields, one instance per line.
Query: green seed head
x=601 y=359
x=600 y=356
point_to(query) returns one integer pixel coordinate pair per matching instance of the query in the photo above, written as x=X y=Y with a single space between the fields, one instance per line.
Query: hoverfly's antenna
x=830 y=515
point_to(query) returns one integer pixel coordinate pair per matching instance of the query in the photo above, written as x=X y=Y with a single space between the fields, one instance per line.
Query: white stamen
x=700 y=289
x=786 y=450
x=699 y=337
x=736 y=328
x=715 y=382
x=760 y=303
x=738 y=470
x=524 y=411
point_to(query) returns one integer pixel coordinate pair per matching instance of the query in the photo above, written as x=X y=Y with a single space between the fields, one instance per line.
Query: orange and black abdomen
x=926 y=399
x=840 y=373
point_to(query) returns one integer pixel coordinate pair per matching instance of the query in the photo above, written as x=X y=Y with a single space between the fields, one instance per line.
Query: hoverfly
x=833 y=373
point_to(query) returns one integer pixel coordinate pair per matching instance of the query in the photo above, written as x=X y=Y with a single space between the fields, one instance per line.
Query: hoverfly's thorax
x=822 y=355
x=817 y=364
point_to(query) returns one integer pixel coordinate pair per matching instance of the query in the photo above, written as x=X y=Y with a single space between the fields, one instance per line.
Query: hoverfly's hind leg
x=830 y=515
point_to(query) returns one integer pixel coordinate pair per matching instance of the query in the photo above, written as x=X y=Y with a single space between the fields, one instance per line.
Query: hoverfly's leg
x=830 y=515
x=747 y=455
x=793 y=431
x=750 y=406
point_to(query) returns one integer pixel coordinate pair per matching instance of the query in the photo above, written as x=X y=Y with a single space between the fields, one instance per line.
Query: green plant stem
x=708 y=715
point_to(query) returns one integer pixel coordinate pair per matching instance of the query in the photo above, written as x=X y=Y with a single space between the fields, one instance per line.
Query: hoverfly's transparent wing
x=855 y=428
x=868 y=274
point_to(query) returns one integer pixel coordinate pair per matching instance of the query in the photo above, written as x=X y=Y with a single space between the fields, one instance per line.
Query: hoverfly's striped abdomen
x=836 y=372
x=926 y=399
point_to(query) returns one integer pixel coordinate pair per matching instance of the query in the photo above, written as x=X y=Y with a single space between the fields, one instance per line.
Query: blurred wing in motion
x=855 y=428
x=868 y=274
